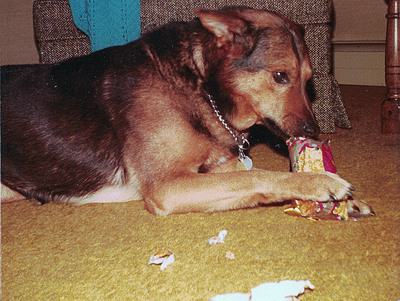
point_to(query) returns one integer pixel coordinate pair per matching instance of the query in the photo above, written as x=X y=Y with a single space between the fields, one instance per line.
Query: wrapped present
x=311 y=155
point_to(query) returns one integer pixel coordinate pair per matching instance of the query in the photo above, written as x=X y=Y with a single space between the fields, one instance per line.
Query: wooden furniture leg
x=391 y=105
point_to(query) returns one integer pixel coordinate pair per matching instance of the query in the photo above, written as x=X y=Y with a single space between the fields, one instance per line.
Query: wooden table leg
x=391 y=105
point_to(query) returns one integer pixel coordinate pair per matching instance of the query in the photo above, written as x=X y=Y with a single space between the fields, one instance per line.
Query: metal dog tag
x=247 y=162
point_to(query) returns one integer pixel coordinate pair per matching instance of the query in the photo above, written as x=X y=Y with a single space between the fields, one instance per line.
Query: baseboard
x=359 y=63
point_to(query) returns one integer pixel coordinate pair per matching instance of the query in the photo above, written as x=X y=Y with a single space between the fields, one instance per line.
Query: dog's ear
x=223 y=24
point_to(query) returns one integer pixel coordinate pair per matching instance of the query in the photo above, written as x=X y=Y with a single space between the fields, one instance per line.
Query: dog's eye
x=281 y=77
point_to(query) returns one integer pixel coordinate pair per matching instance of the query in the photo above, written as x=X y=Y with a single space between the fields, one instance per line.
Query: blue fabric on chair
x=107 y=23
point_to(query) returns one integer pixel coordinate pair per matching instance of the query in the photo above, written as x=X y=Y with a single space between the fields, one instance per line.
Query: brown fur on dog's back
x=136 y=121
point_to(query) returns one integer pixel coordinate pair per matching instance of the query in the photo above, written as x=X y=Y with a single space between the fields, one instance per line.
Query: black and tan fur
x=134 y=122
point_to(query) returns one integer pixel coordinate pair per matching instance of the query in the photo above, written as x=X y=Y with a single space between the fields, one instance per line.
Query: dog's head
x=265 y=70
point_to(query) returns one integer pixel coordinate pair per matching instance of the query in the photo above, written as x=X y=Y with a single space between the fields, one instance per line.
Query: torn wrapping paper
x=270 y=291
x=310 y=155
x=319 y=210
x=164 y=257
x=230 y=255
x=220 y=239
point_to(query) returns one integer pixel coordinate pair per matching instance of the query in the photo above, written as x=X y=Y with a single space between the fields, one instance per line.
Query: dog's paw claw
x=325 y=187
x=359 y=208
x=333 y=197
x=334 y=188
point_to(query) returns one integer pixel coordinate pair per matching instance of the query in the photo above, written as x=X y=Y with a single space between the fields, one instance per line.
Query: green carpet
x=101 y=251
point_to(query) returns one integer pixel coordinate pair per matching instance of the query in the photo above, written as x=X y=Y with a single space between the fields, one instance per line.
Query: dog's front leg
x=240 y=189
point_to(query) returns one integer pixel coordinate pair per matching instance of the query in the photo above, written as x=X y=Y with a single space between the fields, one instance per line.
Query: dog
x=165 y=118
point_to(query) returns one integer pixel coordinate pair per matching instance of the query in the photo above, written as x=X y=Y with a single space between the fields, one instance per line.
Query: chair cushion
x=157 y=12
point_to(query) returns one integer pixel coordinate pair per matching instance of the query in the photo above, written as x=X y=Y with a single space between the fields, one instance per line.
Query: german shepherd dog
x=164 y=119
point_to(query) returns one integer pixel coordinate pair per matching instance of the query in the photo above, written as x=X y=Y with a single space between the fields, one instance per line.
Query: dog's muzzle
x=310 y=129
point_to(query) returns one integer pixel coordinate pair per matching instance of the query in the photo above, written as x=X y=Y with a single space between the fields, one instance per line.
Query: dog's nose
x=310 y=129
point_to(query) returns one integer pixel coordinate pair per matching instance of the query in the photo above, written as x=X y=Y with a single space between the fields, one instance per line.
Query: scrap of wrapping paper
x=229 y=255
x=310 y=155
x=164 y=258
x=220 y=239
x=270 y=291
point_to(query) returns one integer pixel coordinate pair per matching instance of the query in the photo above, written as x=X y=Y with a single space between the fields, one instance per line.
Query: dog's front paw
x=324 y=187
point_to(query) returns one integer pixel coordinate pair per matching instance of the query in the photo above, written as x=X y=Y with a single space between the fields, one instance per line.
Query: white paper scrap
x=164 y=257
x=219 y=239
x=270 y=291
x=278 y=291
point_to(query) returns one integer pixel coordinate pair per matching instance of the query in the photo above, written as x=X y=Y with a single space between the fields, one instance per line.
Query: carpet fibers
x=101 y=251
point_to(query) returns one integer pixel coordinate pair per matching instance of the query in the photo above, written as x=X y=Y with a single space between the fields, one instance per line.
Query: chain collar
x=240 y=138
